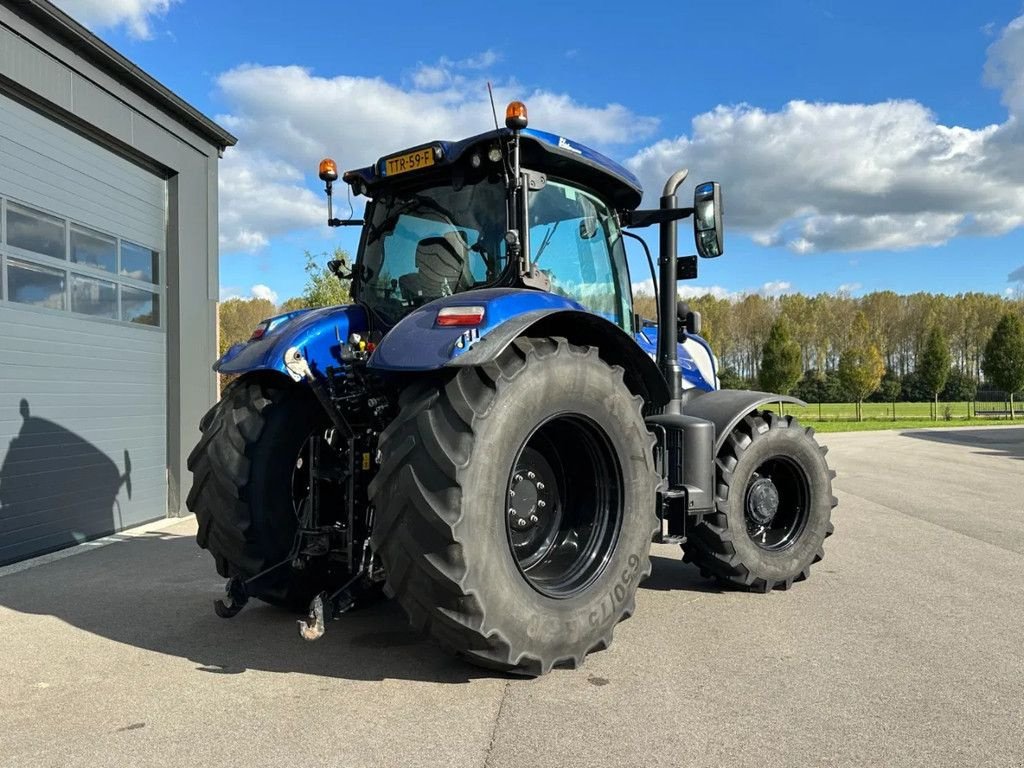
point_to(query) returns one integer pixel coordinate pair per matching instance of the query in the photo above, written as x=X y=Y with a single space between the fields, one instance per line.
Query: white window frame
x=71 y=268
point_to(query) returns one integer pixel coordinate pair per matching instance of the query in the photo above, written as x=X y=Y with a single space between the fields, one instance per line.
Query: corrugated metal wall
x=83 y=399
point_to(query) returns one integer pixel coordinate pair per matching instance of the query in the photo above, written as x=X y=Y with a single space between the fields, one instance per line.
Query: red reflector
x=448 y=316
x=258 y=332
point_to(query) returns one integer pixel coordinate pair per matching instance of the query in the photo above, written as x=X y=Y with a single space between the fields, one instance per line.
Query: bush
x=959 y=387
x=914 y=390
x=730 y=379
x=810 y=388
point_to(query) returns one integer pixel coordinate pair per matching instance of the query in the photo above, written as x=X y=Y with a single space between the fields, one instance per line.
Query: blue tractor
x=489 y=432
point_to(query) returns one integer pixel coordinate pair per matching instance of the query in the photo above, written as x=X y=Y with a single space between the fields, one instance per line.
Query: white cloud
x=776 y=288
x=849 y=288
x=845 y=177
x=288 y=118
x=773 y=288
x=430 y=77
x=260 y=291
x=261 y=197
x=135 y=15
x=840 y=177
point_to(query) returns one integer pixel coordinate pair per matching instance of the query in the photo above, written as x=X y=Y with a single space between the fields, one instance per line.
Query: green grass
x=841 y=417
x=876 y=424
x=847 y=411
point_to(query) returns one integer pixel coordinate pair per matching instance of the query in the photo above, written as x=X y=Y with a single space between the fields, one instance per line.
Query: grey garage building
x=108 y=285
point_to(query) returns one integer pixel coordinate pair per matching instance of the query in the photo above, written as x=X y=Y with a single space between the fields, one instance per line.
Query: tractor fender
x=417 y=343
x=317 y=333
x=725 y=408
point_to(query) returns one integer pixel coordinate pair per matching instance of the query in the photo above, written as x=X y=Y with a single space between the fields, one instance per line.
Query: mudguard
x=417 y=343
x=726 y=407
x=317 y=333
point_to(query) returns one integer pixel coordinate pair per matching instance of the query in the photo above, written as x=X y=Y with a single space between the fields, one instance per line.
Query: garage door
x=83 y=394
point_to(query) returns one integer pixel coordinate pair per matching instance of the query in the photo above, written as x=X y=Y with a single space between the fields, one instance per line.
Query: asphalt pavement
x=905 y=648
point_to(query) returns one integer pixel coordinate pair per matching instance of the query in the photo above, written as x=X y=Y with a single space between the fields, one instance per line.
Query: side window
x=573 y=240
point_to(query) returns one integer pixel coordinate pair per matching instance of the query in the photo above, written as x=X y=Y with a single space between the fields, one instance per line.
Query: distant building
x=108 y=284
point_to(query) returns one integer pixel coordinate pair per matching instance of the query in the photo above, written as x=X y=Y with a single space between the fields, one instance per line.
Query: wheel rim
x=563 y=505
x=776 y=503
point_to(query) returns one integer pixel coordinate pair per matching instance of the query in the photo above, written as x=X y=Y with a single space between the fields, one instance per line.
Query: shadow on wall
x=56 y=489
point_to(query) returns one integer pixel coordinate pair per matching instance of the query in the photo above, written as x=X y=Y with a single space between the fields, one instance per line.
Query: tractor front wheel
x=773 y=506
x=515 y=506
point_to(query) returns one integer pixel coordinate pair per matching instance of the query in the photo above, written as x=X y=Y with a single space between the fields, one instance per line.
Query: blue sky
x=861 y=146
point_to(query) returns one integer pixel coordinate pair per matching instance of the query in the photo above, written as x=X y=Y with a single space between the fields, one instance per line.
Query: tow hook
x=236 y=592
x=327 y=607
x=234 y=600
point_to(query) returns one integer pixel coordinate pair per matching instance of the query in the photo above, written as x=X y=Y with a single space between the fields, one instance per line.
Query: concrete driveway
x=905 y=648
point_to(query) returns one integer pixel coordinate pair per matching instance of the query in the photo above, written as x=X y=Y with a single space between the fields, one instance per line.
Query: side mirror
x=707 y=219
x=689 y=320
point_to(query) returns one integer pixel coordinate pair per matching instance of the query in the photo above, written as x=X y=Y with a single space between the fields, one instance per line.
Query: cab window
x=576 y=242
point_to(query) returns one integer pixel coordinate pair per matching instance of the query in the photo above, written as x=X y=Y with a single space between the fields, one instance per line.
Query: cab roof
x=540 y=151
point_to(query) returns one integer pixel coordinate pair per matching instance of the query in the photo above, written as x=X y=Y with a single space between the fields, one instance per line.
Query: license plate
x=410 y=161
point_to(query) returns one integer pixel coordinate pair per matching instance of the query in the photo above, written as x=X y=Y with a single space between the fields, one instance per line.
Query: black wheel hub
x=563 y=506
x=762 y=500
x=532 y=492
x=777 y=503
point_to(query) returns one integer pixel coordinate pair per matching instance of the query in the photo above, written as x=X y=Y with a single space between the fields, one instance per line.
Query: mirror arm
x=646 y=218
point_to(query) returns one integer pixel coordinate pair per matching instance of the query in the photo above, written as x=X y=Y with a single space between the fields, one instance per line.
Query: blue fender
x=417 y=343
x=317 y=333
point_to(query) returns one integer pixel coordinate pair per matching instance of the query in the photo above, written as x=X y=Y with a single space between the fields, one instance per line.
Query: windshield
x=424 y=244
x=576 y=242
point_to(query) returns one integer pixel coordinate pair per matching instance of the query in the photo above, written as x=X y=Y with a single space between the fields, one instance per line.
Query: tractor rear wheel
x=248 y=484
x=773 y=506
x=515 y=506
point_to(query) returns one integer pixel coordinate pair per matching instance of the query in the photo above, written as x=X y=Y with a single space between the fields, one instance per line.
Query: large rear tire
x=243 y=489
x=773 y=506
x=515 y=506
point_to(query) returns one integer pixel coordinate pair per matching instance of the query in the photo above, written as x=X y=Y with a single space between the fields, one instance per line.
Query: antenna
x=501 y=145
x=494 y=110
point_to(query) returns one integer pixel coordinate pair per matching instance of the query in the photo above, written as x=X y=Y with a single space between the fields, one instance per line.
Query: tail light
x=460 y=316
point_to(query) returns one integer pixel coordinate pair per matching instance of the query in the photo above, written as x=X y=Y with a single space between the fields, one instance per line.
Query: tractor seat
x=442 y=268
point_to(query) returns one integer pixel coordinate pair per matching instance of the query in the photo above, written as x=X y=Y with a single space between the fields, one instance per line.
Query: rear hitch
x=234 y=600
x=236 y=592
x=327 y=607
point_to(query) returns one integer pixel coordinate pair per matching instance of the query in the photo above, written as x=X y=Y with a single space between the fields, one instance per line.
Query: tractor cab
x=507 y=208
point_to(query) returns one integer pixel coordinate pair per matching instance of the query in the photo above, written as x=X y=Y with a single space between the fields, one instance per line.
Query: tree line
x=837 y=348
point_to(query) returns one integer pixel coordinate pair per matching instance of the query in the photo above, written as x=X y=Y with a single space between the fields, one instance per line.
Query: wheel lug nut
x=530 y=475
x=541 y=504
x=512 y=512
x=521 y=523
x=518 y=478
x=540 y=486
x=511 y=493
x=533 y=518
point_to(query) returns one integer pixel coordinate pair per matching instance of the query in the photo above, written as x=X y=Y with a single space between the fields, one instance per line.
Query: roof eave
x=76 y=37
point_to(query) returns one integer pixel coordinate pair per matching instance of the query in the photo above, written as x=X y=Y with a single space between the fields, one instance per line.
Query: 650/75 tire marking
x=617 y=594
